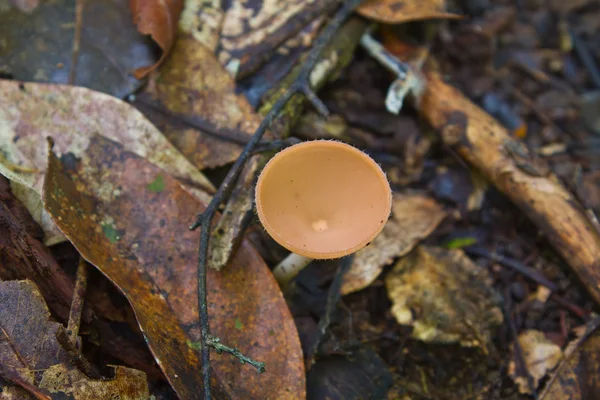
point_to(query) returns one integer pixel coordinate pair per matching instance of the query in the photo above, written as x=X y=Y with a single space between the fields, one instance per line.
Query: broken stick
x=523 y=178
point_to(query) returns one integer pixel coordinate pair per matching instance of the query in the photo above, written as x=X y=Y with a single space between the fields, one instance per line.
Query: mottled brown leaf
x=31 y=112
x=399 y=11
x=254 y=29
x=540 y=356
x=136 y=234
x=577 y=376
x=414 y=217
x=31 y=356
x=38 y=44
x=192 y=99
x=157 y=18
x=444 y=296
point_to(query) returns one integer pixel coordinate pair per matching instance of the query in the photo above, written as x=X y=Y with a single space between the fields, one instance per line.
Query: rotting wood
x=486 y=145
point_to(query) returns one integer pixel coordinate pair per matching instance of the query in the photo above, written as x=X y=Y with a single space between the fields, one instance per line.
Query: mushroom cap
x=323 y=199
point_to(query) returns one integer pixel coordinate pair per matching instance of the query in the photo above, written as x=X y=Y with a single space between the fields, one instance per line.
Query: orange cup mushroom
x=321 y=200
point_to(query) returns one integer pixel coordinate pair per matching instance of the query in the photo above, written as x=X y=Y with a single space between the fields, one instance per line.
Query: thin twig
x=77 y=302
x=77 y=358
x=333 y=296
x=76 y=40
x=69 y=339
x=225 y=134
x=204 y=220
x=216 y=344
x=529 y=272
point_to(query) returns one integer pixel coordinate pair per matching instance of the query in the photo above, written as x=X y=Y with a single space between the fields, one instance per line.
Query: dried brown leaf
x=31 y=356
x=444 y=296
x=414 y=217
x=400 y=11
x=138 y=237
x=576 y=378
x=157 y=18
x=30 y=112
x=540 y=356
x=192 y=99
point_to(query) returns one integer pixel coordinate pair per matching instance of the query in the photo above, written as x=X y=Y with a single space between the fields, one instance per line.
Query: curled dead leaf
x=157 y=18
x=400 y=11
x=414 y=217
x=135 y=217
x=445 y=297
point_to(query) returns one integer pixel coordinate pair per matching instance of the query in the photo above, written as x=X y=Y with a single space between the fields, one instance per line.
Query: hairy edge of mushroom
x=289 y=267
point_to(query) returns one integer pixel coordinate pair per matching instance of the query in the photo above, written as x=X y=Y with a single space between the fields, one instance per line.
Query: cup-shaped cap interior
x=323 y=199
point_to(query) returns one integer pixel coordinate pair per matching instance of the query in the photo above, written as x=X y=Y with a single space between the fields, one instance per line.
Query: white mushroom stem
x=289 y=267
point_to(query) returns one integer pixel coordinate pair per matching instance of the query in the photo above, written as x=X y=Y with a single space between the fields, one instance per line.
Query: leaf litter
x=31 y=112
x=414 y=217
x=541 y=69
x=138 y=238
x=31 y=356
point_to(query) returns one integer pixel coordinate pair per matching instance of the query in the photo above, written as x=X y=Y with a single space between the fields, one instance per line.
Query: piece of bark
x=238 y=213
x=486 y=145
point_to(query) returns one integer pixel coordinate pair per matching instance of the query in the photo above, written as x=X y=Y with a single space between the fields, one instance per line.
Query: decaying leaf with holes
x=414 y=217
x=576 y=377
x=192 y=100
x=400 y=11
x=130 y=219
x=31 y=356
x=445 y=297
x=30 y=112
x=540 y=356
